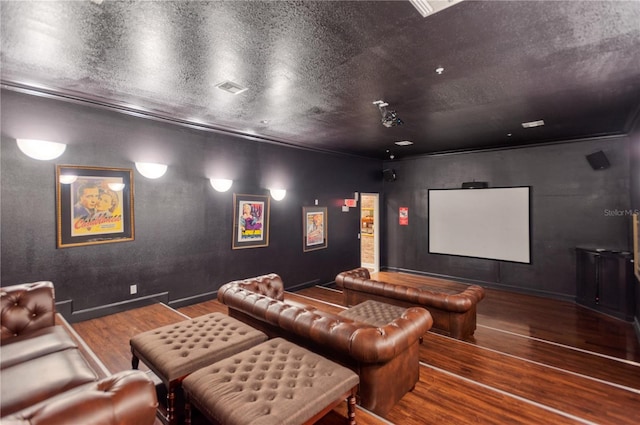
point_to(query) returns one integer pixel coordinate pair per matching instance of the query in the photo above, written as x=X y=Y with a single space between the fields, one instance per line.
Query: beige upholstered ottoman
x=276 y=382
x=374 y=313
x=174 y=351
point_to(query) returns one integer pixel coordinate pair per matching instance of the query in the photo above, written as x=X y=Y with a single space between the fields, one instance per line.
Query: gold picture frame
x=636 y=244
x=94 y=205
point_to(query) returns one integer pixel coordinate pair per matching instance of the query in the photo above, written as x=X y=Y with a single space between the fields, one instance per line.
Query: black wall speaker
x=389 y=175
x=475 y=185
x=598 y=160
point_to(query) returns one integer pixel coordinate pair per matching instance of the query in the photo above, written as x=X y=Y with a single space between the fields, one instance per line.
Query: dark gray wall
x=572 y=205
x=635 y=201
x=182 y=226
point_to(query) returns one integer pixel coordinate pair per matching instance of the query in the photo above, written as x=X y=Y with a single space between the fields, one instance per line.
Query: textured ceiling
x=313 y=68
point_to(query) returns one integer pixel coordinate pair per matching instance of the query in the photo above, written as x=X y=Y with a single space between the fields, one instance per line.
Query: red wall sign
x=404 y=216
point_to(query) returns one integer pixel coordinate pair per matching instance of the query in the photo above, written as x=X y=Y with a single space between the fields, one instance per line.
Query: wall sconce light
x=151 y=170
x=221 y=185
x=68 y=178
x=278 y=194
x=41 y=149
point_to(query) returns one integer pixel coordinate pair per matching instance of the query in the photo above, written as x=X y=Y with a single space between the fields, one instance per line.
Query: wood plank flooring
x=532 y=360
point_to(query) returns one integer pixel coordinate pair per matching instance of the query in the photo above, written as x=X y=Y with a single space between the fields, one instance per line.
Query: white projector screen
x=483 y=223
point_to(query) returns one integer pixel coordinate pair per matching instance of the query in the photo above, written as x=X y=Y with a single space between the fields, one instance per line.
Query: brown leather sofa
x=453 y=312
x=385 y=358
x=45 y=378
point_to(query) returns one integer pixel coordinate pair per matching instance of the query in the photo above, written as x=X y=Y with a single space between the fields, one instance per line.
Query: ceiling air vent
x=231 y=87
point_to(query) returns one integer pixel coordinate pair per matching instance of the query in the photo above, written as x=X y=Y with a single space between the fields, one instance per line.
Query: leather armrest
x=270 y=285
x=384 y=343
x=360 y=272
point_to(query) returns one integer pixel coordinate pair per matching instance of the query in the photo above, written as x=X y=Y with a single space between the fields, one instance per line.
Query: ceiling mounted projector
x=389 y=118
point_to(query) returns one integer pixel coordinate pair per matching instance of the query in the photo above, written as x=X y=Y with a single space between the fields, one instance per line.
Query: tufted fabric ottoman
x=174 y=351
x=374 y=313
x=276 y=382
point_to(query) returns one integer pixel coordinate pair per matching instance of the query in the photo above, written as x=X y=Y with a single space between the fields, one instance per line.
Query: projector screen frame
x=529 y=224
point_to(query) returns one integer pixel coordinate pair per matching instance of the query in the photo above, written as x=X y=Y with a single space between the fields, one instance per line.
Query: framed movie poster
x=250 y=221
x=94 y=205
x=314 y=228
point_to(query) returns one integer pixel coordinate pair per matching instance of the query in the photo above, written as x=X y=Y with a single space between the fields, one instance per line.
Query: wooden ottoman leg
x=171 y=405
x=187 y=411
x=351 y=408
x=135 y=361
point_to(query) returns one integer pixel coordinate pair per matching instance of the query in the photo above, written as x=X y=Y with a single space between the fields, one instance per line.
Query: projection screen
x=484 y=223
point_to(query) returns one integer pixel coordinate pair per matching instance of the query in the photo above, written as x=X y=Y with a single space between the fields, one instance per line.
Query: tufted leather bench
x=45 y=377
x=276 y=382
x=453 y=311
x=174 y=351
x=384 y=357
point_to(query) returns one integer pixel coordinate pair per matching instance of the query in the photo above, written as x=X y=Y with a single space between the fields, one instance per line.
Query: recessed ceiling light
x=439 y=70
x=231 y=87
x=404 y=143
x=532 y=124
x=509 y=134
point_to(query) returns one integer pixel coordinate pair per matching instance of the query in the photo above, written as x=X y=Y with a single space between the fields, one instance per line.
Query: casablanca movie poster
x=97 y=208
x=94 y=205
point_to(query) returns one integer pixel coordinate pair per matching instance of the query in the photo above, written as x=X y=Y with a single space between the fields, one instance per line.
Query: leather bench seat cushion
x=176 y=350
x=127 y=397
x=276 y=382
x=35 y=344
x=374 y=313
x=28 y=383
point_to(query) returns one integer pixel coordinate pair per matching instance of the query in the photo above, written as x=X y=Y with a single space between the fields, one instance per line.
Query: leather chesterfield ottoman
x=174 y=351
x=276 y=382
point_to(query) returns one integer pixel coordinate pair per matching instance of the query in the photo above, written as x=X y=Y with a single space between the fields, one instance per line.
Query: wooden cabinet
x=605 y=281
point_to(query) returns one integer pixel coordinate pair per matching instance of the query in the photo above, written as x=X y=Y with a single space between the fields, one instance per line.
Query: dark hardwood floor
x=532 y=360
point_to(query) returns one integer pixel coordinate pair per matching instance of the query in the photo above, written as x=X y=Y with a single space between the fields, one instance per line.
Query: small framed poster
x=94 y=205
x=314 y=228
x=250 y=221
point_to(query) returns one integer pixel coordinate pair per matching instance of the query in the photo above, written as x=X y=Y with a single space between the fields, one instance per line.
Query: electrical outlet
x=133 y=289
